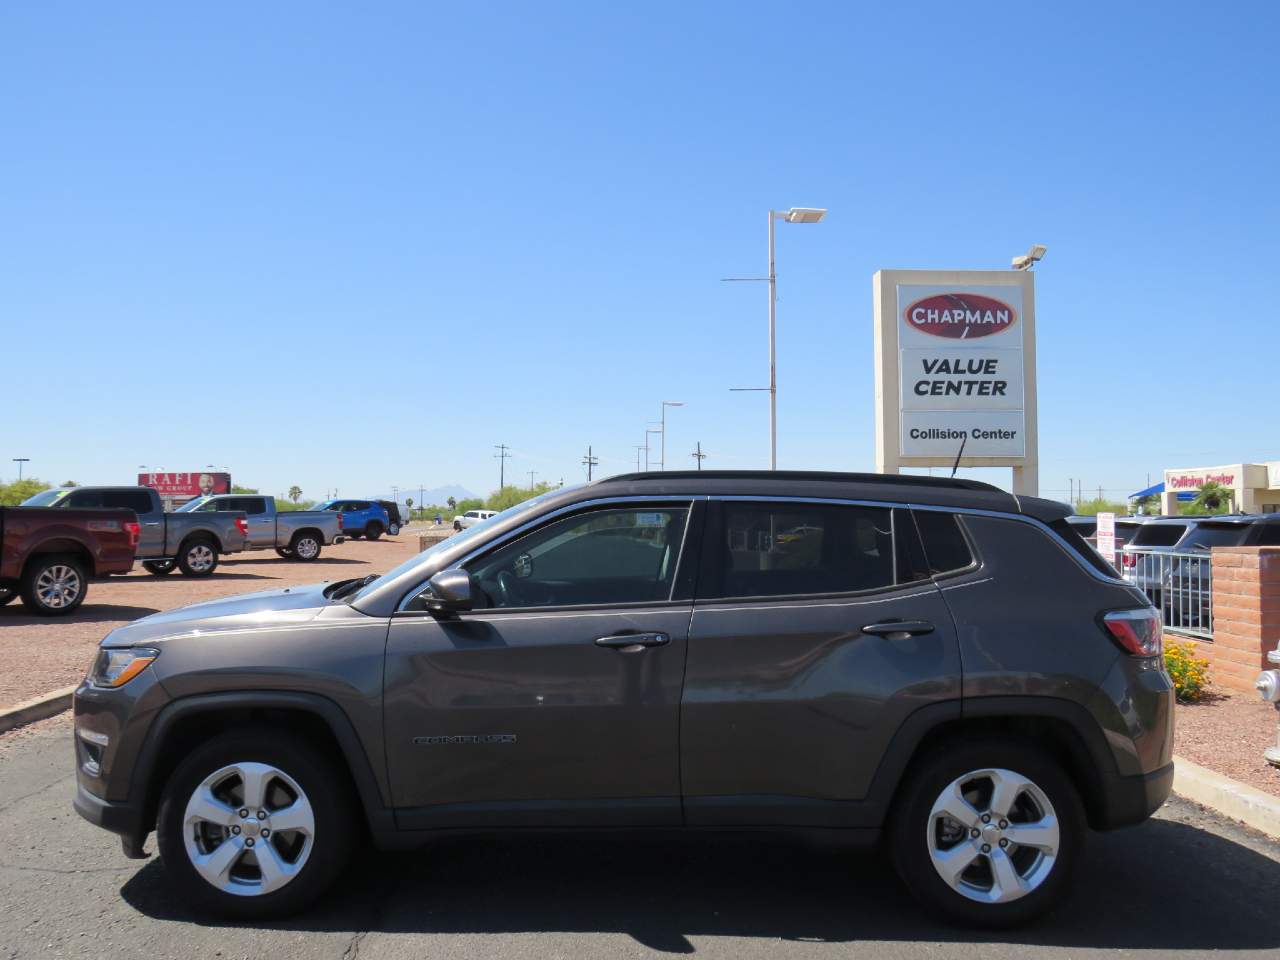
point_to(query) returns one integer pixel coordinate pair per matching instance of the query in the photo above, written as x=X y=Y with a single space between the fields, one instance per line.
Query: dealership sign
x=960 y=378
x=186 y=485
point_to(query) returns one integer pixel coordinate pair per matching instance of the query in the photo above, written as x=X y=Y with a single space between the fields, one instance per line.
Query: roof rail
x=906 y=480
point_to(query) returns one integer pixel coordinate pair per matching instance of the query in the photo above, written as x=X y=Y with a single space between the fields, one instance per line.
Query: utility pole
x=589 y=462
x=395 y=494
x=20 y=461
x=638 y=449
x=502 y=456
x=698 y=455
x=647 y=431
x=531 y=475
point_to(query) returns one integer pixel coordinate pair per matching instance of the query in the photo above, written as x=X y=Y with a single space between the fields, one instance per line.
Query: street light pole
x=665 y=404
x=20 y=461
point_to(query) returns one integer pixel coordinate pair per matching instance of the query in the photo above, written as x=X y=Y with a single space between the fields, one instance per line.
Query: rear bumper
x=339 y=539
x=1131 y=800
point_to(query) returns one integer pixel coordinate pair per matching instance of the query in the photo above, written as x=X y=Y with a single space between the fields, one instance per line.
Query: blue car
x=360 y=518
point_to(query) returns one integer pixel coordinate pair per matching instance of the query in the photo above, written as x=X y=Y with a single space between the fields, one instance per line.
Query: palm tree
x=295 y=493
x=1212 y=497
x=1148 y=504
x=453 y=503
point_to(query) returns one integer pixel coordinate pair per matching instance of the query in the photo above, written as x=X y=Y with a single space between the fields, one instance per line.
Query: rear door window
x=91 y=499
x=794 y=549
x=1159 y=535
x=945 y=545
x=1270 y=536
x=136 y=500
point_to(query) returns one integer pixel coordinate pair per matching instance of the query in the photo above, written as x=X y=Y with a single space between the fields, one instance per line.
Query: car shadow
x=15 y=615
x=319 y=562
x=1163 y=886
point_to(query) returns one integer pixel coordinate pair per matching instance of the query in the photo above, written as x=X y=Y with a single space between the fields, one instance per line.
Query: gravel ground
x=1228 y=733
x=56 y=652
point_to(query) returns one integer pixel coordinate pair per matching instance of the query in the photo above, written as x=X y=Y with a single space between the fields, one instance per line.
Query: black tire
x=158 y=568
x=305 y=546
x=53 y=584
x=198 y=557
x=393 y=530
x=910 y=834
x=457 y=525
x=373 y=531
x=7 y=595
x=326 y=788
x=284 y=552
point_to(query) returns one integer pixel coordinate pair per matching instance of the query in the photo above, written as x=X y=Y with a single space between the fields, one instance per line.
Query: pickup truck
x=471 y=518
x=191 y=542
x=295 y=534
x=48 y=556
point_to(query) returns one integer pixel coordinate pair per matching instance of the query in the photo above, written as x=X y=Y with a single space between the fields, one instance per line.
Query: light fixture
x=1031 y=257
x=804 y=214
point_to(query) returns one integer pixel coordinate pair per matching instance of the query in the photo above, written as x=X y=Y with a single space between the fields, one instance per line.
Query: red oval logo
x=960 y=316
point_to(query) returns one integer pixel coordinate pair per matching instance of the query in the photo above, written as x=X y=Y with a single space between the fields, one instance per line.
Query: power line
x=589 y=462
x=502 y=456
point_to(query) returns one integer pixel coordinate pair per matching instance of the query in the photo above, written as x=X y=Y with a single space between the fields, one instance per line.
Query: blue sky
x=353 y=248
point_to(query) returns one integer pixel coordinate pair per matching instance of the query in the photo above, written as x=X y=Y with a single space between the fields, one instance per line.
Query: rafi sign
x=955 y=371
x=960 y=371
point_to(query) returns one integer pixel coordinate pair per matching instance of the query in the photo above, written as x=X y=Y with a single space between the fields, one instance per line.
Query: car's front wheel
x=198 y=558
x=254 y=824
x=987 y=832
x=158 y=568
x=305 y=547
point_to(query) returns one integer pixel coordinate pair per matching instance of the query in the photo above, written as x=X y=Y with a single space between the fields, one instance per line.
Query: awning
x=1149 y=492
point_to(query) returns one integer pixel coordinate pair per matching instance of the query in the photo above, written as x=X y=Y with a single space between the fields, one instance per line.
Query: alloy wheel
x=58 y=586
x=993 y=836
x=200 y=558
x=248 y=829
x=306 y=548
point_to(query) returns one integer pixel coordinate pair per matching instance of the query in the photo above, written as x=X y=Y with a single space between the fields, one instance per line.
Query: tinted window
x=136 y=500
x=601 y=557
x=1270 y=536
x=1208 y=535
x=1159 y=534
x=83 y=498
x=1082 y=547
x=945 y=545
x=252 y=505
x=771 y=550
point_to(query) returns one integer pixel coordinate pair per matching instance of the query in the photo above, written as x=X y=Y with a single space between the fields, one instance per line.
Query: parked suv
x=360 y=518
x=394 y=520
x=926 y=659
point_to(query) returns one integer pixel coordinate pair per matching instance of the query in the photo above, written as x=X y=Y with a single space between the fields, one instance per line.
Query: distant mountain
x=431 y=496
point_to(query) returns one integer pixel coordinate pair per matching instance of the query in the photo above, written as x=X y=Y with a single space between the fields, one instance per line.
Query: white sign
x=1106 y=537
x=960 y=371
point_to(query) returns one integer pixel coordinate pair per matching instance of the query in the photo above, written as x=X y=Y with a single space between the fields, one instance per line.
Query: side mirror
x=450 y=592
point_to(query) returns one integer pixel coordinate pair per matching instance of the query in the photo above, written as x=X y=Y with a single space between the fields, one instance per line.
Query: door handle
x=899 y=629
x=627 y=642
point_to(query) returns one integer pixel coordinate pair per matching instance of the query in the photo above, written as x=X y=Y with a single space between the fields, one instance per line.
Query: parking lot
x=56 y=652
x=1185 y=884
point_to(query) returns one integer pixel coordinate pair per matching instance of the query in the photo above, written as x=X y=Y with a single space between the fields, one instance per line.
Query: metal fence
x=1179 y=585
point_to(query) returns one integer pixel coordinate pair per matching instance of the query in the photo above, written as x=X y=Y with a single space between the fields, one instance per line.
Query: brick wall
x=1246 y=615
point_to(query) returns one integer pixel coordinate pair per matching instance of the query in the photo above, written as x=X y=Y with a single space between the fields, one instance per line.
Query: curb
x=1229 y=797
x=39 y=708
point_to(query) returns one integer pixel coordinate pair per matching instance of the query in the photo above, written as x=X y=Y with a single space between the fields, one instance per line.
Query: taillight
x=242 y=524
x=1129 y=559
x=134 y=530
x=339 y=521
x=1137 y=631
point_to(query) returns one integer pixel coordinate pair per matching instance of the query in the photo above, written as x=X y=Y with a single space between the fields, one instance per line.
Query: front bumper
x=123 y=818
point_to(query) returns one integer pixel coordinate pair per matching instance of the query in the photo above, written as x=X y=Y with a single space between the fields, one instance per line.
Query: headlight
x=116 y=667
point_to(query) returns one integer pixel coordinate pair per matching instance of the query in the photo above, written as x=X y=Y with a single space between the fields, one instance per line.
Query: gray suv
x=931 y=661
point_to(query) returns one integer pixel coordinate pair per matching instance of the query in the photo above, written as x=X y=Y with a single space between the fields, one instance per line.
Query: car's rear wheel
x=7 y=594
x=305 y=547
x=284 y=552
x=255 y=824
x=158 y=568
x=373 y=531
x=987 y=833
x=198 y=558
x=53 y=584
x=393 y=529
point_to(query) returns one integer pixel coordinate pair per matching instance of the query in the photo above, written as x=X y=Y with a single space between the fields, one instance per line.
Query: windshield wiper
x=351 y=586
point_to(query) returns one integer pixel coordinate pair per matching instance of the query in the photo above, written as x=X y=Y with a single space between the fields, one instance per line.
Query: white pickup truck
x=471 y=518
x=295 y=534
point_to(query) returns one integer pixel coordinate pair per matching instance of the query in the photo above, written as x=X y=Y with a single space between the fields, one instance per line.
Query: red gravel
x=46 y=654
x=1228 y=734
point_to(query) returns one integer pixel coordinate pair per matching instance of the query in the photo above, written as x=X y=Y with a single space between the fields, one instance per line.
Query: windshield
x=192 y=505
x=1208 y=535
x=46 y=499
x=480 y=528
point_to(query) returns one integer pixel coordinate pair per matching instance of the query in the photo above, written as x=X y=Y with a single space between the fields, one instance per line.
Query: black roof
x=890 y=488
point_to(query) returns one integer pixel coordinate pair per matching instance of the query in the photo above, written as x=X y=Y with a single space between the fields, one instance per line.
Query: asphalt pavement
x=1186 y=884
